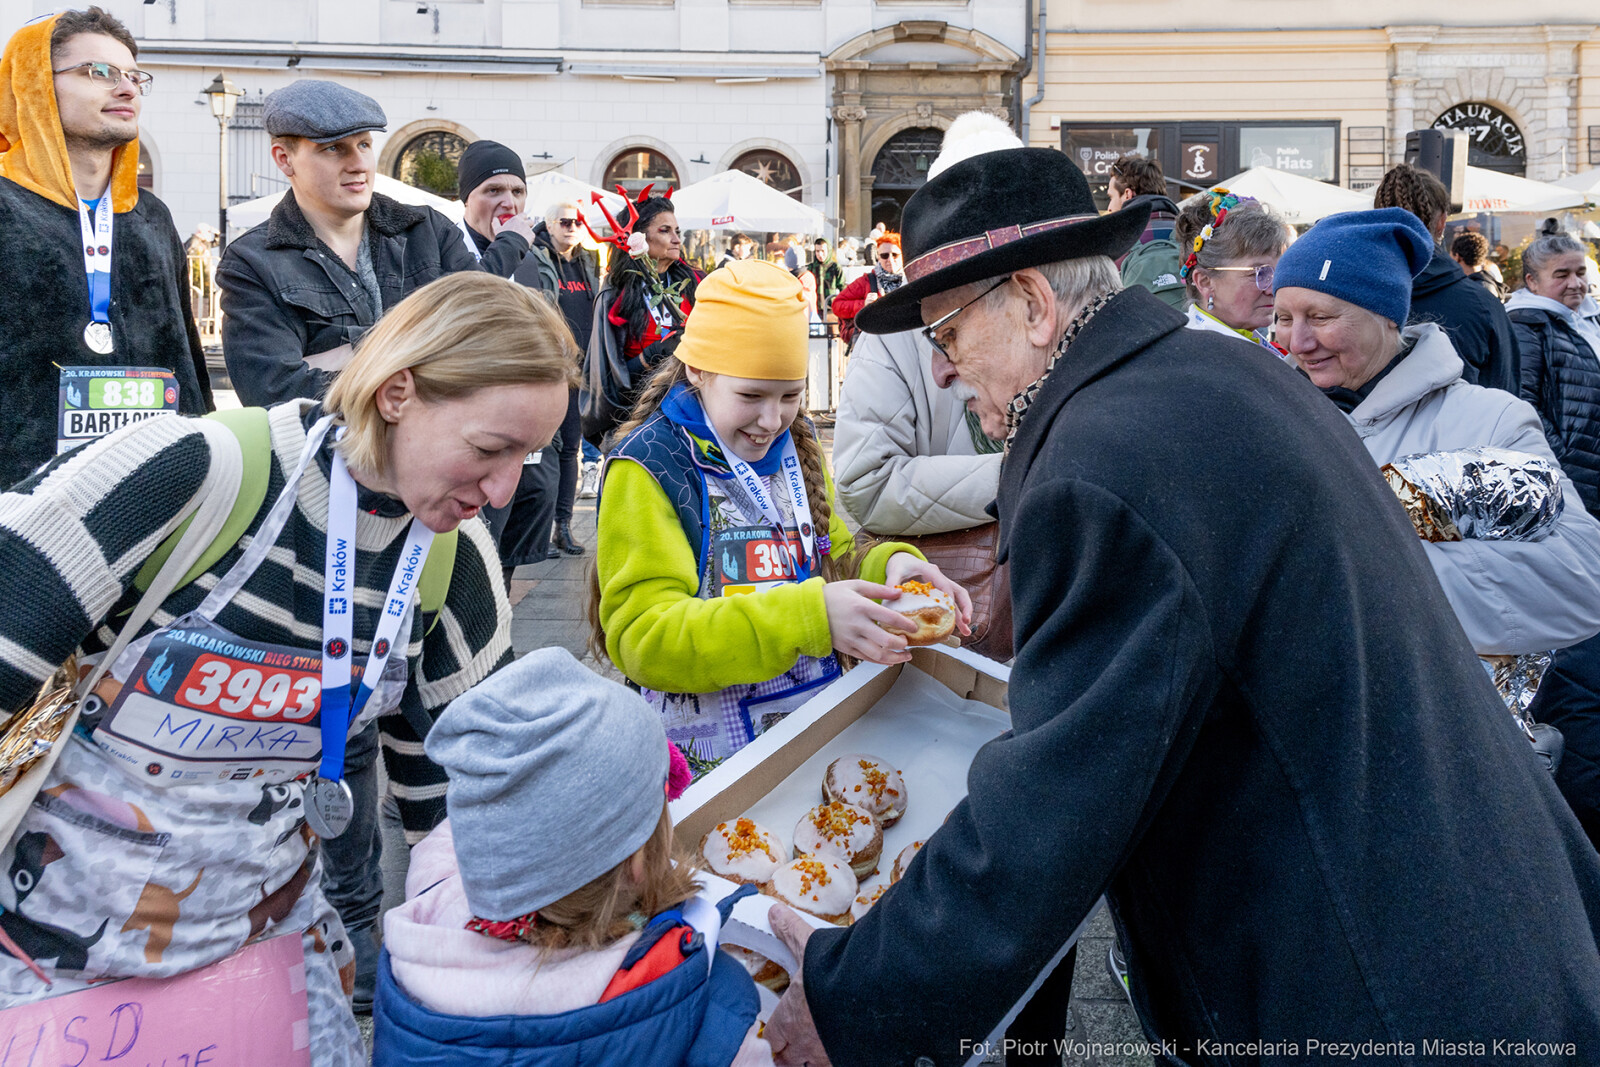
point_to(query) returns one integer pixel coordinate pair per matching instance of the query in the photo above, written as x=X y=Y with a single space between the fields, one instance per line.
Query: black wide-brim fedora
x=990 y=215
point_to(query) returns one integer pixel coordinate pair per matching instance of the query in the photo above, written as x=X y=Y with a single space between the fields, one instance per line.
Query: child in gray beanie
x=545 y=919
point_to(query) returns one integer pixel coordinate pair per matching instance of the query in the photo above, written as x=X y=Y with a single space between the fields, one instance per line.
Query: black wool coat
x=1244 y=711
x=46 y=293
x=286 y=295
x=1561 y=379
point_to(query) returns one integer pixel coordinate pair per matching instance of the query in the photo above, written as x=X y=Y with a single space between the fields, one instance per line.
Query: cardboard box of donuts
x=827 y=808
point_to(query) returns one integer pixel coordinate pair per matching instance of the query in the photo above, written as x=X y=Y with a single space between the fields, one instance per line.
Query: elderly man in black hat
x=1242 y=708
x=300 y=289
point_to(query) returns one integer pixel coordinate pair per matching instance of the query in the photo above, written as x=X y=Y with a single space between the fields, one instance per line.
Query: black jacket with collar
x=1243 y=710
x=43 y=283
x=1473 y=317
x=1561 y=379
x=286 y=295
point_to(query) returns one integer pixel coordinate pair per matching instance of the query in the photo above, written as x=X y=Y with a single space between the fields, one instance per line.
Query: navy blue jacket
x=682 y=1019
x=1474 y=319
x=1561 y=379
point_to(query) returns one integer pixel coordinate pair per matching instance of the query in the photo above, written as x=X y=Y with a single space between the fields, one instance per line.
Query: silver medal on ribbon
x=329 y=807
x=97 y=335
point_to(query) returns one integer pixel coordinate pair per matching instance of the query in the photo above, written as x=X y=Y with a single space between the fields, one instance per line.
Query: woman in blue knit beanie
x=1342 y=292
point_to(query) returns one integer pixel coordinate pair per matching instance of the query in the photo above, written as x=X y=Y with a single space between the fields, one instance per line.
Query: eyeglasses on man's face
x=888 y=255
x=1263 y=274
x=931 y=330
x=568 y=224
x=109 y=77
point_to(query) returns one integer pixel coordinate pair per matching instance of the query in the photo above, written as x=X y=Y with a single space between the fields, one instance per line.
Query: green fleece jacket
x=663 y=636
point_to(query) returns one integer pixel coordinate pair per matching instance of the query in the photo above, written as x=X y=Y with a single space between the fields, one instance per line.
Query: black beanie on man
x=483 y=160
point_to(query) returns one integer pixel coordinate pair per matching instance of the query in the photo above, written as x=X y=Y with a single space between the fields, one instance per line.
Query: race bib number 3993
x=203 y=705
x=97 y=400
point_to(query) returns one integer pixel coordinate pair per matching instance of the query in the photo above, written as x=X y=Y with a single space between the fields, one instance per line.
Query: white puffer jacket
x=1510 y=596
x=903 y=459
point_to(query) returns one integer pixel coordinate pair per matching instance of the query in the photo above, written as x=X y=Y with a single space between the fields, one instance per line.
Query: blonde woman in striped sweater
x=172 y=830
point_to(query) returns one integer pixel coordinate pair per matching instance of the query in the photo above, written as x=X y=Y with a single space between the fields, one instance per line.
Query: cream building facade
x=810 y=95
x=1326 y=90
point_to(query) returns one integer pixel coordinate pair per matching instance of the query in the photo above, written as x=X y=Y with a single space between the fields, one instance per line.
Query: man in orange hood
x=94 y=272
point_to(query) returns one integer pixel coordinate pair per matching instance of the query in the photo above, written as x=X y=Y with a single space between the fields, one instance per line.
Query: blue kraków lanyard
x=97 y=237
x=751 y=491
x=339 y=707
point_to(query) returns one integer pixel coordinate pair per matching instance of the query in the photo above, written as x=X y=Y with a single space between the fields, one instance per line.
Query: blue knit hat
x=1365 y=257
x=556 y=776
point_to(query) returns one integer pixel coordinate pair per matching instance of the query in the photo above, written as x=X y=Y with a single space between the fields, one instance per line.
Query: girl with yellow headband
x=722 y=572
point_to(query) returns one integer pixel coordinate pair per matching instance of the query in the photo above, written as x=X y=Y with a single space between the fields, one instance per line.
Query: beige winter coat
x=903 y=459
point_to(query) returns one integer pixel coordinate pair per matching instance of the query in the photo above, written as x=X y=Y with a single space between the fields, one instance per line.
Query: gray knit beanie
x=556 y=776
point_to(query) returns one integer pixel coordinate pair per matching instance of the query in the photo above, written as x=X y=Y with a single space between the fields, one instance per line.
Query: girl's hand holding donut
x=904 y=567
x=863 y=628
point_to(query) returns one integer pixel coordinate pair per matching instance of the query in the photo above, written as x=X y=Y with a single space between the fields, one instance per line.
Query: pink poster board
x=247 y=1009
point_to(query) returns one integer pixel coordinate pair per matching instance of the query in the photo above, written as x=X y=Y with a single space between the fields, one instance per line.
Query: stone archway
x=389 y=154
x=908 y=75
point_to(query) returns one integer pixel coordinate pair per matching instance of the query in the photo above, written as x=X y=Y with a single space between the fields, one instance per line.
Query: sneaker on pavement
x=1117 y=967
x=589 y=487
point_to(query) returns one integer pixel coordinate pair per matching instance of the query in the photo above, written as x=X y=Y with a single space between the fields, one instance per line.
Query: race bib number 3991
x=97 y=400
x=203 y=705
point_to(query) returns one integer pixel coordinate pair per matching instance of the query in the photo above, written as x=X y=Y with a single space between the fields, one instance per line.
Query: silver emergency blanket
x=1485 y=494
x=1478 y=494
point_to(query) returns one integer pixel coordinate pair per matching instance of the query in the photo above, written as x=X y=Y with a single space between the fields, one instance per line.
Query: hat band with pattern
x=957 y=251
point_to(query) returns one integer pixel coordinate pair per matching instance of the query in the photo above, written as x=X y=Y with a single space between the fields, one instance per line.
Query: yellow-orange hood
x=33 y=152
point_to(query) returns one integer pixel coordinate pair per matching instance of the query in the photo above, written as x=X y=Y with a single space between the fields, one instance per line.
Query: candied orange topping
x=811 y=872
x=921 y=588
x=837 y=819
x=877 y=781
x=745 y=839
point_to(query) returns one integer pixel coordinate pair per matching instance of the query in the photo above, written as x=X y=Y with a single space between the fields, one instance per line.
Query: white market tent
x=1490 y=190
x=1585 y=181
x=1301 y=201
x=552 y=187
x=243 y=216
x=733 y=200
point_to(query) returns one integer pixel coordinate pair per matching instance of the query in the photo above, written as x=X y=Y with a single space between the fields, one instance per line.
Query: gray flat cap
x=320 y=111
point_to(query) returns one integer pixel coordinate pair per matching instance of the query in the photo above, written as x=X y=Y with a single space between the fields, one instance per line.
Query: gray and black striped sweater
x=73 y=535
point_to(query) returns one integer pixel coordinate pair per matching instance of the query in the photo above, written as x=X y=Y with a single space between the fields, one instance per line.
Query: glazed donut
x=868 y=783
x=931 y=612
x=842 y=831
x=763 y=970
x=865 y=900
x=817 y=885
x=743 y=851
x=902 y=861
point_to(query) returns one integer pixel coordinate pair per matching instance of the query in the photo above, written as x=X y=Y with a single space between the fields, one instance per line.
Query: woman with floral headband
x=1230 y=245
x=639 y=314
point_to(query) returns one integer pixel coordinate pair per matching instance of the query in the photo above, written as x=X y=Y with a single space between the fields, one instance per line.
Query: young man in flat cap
x=1241 y=707
x=300 y=289
x=94 y=276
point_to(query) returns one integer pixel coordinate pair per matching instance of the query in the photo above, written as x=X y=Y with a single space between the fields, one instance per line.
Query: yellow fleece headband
x=33 y=151
x=749 y=321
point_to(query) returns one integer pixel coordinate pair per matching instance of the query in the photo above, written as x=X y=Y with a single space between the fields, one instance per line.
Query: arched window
x=428 y=161
x=147 y=171
x=772 y=168
x=900 y=169
x=638 y=167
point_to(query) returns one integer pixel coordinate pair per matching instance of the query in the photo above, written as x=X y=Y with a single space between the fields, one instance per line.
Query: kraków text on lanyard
x=96 y=233
x=749 y=489
x=329 y=805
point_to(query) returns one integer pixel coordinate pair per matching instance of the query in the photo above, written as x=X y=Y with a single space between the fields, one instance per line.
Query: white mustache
x=962 y=391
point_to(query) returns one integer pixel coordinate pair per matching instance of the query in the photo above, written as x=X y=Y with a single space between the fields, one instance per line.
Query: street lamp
x=224 y=95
